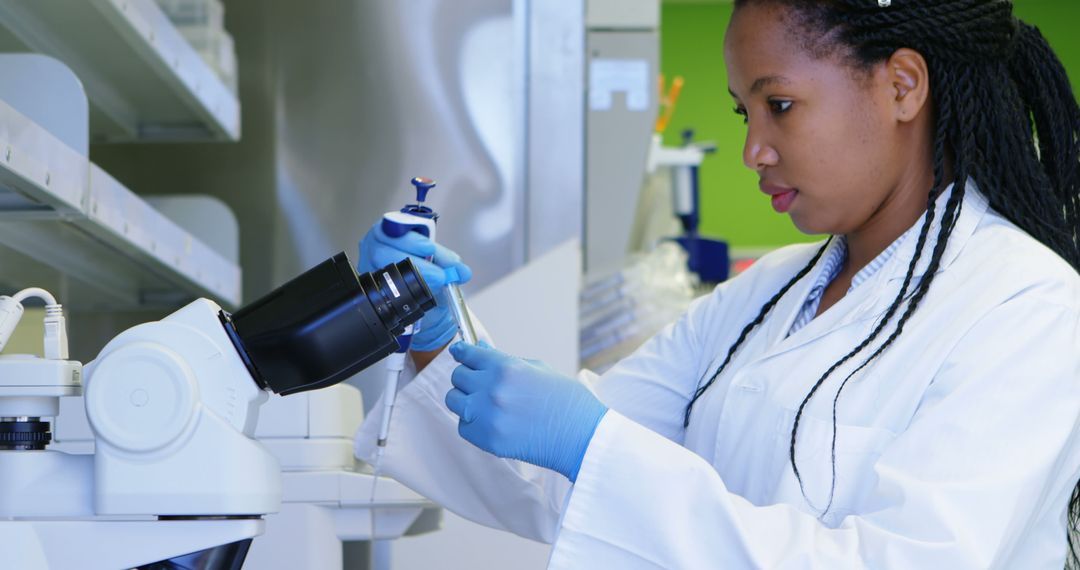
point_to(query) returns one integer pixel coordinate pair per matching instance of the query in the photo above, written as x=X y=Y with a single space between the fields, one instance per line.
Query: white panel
x=464 y=545
x=533 y=312
x=284 y=417
x=335 y=411
x=623 y=14
x=628 y=77
x=554 y=79
x=205 y=216
x=57 y=102
x=71 y=425
x=300 y=536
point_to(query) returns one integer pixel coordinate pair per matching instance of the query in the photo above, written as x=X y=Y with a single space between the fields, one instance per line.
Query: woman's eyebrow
x=763 y=82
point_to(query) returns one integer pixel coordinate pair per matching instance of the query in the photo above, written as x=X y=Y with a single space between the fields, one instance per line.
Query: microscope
x=176 y=479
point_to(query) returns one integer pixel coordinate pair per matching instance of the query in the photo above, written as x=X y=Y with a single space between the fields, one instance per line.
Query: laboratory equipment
x=673 y=188
x=326 y=501
x=421 y=219
x=620 y=311
x=175 y=473
x=669 y=99
x=708 y=258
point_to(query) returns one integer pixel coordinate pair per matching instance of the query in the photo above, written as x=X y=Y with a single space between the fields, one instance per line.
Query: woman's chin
x=808 y=225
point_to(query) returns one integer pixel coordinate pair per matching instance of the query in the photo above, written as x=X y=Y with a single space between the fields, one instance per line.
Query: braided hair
x=1004 y=115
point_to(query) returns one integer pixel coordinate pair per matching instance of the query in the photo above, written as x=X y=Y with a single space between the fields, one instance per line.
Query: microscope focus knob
x=141 y=397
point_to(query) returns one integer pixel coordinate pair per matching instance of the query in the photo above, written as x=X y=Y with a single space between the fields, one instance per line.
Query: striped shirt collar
x=832 y=263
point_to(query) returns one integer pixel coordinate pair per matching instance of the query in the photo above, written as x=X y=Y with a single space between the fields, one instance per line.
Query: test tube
x=461 y=313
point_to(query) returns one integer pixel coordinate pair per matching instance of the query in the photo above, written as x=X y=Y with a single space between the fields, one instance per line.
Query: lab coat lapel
x=972 y=210
x=853 y=308
x=787 y=309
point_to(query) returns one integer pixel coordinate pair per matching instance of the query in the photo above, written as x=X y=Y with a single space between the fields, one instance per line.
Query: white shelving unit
x=61 y=216
x=143 y=79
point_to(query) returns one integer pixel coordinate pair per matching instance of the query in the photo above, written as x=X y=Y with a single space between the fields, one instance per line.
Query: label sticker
x=390 y=282
x=610 y=76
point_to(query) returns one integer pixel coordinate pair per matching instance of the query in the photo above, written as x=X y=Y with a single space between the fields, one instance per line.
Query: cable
x=35 y=292
x=11 y=311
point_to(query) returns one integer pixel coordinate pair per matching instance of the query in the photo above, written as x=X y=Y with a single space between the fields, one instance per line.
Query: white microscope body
x=173 y=477
x=173 y=410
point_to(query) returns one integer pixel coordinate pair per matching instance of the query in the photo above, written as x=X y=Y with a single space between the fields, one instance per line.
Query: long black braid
x=1004 y=115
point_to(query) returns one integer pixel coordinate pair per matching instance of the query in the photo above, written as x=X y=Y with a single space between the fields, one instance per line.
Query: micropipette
x=421 y=219
x=412 y=218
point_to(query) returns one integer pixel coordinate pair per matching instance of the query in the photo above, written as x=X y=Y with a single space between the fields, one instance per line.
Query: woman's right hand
x=377 y=250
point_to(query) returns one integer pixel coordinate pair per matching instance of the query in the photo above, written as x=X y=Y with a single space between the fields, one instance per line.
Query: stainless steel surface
x=344 y=103
x=371 y=94
x=555 y=119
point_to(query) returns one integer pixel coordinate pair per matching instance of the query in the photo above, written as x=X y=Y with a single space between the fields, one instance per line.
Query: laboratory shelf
x=398 y=510
x=61 y=216
x=145 y=82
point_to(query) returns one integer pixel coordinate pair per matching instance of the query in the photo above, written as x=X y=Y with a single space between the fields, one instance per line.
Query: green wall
x=731 y=206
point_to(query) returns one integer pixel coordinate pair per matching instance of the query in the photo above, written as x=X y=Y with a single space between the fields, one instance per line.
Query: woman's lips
x=782 y=202
x=782 y=196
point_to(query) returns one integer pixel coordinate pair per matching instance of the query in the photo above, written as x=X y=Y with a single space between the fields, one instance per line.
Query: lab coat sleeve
x=653 y=385
x=991 y=451
x=425 y=452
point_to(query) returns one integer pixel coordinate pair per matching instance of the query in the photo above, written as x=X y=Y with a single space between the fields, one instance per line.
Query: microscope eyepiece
x=327 y=324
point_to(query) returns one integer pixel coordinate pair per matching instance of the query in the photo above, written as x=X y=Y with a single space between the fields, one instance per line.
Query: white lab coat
x=957 y=448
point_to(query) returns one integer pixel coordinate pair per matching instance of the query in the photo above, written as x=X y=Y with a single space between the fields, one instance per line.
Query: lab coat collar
x=873 y=298
x=973 y=208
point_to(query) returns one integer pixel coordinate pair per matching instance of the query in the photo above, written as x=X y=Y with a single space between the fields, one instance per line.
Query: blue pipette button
x=423 y=186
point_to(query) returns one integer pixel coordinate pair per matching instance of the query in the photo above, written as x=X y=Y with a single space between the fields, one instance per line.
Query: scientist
x=905 y=394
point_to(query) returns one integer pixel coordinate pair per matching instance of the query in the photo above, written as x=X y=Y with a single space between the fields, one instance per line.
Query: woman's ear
x=909 y=78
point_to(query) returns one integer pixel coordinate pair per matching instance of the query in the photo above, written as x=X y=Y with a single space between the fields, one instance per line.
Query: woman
x=904 y=395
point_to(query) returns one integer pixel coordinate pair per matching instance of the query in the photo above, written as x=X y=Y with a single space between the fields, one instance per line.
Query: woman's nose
x=756 y=153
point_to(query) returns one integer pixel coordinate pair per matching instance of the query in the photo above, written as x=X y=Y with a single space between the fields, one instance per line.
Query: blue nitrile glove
x=377 y=250
x=522 y=409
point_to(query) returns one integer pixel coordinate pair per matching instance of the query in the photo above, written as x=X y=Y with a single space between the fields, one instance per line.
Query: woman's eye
x=779 y=107
x=742 y=113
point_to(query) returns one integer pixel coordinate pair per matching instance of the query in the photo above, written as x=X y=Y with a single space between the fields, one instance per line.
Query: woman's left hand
x=522 y=409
